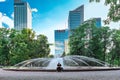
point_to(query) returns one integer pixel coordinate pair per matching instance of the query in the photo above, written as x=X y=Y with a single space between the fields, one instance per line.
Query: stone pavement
x=90 y=75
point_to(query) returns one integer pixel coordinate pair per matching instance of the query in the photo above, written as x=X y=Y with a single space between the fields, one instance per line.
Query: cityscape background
x=51 y=15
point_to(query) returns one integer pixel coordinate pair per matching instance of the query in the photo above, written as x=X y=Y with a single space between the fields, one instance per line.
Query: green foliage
x=50 y=56
x=4 y=47
x=94 y=0
x=78 y=40
x=101 y=43
x=42 y=46
x=115 y=52
x=19 y=46
x=64 y=54
x=114 y=10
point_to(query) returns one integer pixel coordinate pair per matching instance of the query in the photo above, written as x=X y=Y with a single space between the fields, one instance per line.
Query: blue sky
x=46 y=13
x=49 y=15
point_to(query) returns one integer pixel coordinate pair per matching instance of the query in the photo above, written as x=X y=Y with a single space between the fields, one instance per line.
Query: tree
x=4 y=48
x=89 y=40
x=114 y=10
x=79 y=39
x=42 y=46
x=25 y=46
x=17 y=46
x=64 y=54
x=106 y=35
x=51 y=56
x=100 y=42
x=114 y=56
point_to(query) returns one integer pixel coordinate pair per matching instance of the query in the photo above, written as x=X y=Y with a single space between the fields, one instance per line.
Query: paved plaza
x=90 y=75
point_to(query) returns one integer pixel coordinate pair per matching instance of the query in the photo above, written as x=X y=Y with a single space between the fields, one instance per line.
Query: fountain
x=69 y=63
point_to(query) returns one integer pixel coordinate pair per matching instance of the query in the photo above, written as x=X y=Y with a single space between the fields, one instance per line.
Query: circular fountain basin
x=81 y=69
x=69 y=63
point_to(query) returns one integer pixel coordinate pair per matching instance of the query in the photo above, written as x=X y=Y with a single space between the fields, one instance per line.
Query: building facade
x=22 y=15
x=67 y=47
x=98 y=22
x=76 y=17
x=60 y=37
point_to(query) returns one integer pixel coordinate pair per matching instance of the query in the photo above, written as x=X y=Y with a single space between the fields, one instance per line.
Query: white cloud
x=34 y=10
x=0 y=14
x=4 y=14
x=12 y=15
x=2 y=0
x=0 y=19
x=8 y=21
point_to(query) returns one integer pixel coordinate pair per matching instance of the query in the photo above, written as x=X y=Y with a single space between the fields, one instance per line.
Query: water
x=66 y=62
x=53 y=63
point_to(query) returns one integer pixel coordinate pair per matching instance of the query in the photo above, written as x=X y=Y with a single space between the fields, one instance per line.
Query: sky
x=50 y=15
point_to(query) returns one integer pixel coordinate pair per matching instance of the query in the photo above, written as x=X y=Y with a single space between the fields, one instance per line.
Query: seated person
x=59 y=68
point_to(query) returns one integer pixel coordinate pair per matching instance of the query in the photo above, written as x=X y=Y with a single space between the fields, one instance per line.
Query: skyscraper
x=22 y=15
x=98 y=22
x=60 y=37
x=76 y=17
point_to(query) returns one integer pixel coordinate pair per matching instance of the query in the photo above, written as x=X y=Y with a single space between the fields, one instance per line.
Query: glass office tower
x=60 y=37
x=76 y=17
x=22 y=15
x=98 y=22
